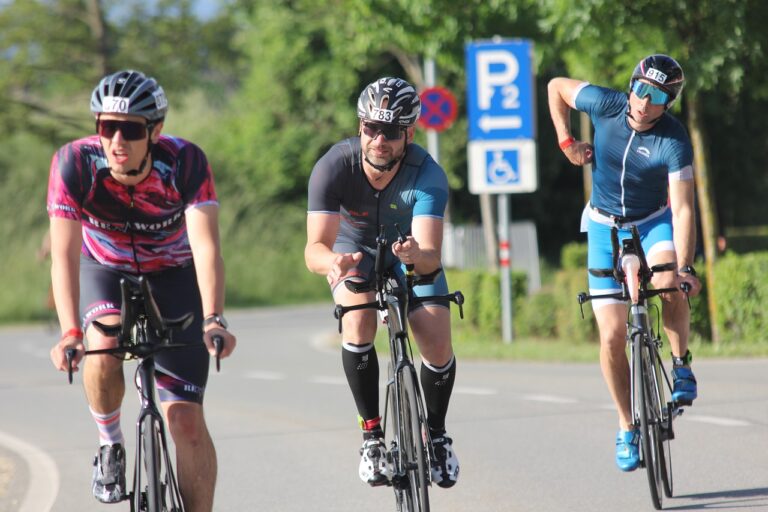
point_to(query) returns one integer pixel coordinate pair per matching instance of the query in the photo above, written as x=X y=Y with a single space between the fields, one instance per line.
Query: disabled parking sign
x=500 y=113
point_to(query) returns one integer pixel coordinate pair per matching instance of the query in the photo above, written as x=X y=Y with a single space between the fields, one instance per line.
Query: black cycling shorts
x=181 y=373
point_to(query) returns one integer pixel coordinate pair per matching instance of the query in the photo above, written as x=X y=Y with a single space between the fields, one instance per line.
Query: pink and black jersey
x=135 y=229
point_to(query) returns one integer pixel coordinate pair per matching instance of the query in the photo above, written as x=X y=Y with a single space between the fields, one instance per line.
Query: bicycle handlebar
x=139 y=302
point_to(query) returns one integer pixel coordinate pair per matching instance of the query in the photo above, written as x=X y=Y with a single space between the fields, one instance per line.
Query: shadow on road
x=731 y=500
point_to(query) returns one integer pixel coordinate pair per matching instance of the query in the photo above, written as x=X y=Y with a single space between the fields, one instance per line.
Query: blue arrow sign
x=500 y=89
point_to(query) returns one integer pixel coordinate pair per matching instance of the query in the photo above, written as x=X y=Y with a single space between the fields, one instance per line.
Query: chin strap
x=629 y=114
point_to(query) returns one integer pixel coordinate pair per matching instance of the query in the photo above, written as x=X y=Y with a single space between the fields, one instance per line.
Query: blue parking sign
x=500 y=89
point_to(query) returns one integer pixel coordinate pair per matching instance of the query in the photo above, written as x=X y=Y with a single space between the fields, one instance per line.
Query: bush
x=742 y=293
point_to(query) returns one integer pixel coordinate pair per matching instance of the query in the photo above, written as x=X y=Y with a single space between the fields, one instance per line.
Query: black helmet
x=130 y=92
x=389 y=100
x=662 y=71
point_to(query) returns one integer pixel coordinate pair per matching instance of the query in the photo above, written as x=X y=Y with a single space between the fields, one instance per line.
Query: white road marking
x=550 y=399
x=43 y=475
x=716 y=420
x=325 y=379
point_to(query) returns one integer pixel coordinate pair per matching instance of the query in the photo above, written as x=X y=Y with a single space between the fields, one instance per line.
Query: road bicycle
x=406 y=432
x=142 y=333
x=652 y=412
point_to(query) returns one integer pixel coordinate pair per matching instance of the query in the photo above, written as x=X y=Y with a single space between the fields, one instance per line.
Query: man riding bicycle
x=643 y=175
x=129 y=202
x=381 y=178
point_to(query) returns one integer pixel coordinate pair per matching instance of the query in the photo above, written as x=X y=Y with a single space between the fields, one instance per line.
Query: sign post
x=502 y=147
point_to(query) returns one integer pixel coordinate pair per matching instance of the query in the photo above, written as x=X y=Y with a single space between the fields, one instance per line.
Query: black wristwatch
x=215 y=318
x=687 y=269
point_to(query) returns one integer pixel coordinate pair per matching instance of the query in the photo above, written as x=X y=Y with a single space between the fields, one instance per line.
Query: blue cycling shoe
x=684 y=390
x=628 y=450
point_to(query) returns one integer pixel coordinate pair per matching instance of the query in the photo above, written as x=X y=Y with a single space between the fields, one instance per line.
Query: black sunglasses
x=389 y=131
x=131 y=130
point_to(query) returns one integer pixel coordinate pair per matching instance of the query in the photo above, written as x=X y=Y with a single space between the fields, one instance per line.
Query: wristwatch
x=687 y=269
x=215 y=318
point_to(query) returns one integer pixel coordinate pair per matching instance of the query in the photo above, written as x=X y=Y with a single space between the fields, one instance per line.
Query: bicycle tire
x=666 y=433
x=150 y=438
x=412 y=447
x=649 y=423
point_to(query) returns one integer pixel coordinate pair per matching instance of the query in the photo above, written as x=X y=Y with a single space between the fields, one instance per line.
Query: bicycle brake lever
x=458 y=298
x=218 y=343
x=70 y=355
x=686 y=287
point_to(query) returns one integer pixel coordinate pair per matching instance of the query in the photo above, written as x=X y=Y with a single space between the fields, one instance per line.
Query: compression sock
x=109 y=427
x=362 y=369
x=437 y=384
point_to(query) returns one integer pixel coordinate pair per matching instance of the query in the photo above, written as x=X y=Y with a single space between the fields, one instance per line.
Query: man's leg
x=104 y=390
x=612 y=325
x=195 y=454
x=676 y=317
x=431 y=327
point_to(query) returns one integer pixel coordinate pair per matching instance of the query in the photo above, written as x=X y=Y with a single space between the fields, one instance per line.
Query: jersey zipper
x=128 y=227
x=624 y=172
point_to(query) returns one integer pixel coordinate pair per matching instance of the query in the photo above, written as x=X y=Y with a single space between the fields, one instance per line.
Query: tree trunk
x=707 y=208
x=99 y=32
x=585 y=135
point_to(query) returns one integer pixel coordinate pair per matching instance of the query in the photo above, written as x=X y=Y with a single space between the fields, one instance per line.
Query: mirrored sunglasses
x=131 y=130
x=658 y=97
x=389 y=131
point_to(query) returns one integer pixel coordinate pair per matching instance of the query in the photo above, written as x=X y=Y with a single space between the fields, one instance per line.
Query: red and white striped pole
x=505 y=278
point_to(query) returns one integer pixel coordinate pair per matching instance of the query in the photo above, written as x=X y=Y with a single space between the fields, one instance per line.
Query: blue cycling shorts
x=655 y=236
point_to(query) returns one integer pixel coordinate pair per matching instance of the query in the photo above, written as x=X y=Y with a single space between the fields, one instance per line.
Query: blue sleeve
x=678 y=150
x=600 y=101
x=431 y=192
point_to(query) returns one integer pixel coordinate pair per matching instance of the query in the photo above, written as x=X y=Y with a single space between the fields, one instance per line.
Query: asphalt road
x=530 y=437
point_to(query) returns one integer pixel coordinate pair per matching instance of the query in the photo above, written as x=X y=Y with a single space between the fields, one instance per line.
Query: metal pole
x=505 y=278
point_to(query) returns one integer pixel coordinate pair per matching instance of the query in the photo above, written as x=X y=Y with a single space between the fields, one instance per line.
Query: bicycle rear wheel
x=648 y=412
x=413 y=493
x=161 y=492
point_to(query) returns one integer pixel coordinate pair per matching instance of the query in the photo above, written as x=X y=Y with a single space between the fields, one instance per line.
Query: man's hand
x=227 y=347
x=342 y=264
x=59 y=353
x=408 y=252
x=692 y=281
x=579 y=153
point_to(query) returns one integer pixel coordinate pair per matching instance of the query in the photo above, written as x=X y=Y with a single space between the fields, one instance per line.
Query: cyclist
x=643 y=175
x=125 y=202
x=381 y=178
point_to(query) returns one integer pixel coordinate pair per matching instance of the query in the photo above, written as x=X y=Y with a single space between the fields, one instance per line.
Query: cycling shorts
x=364 y=272
x=181 y=373
x=655 y=236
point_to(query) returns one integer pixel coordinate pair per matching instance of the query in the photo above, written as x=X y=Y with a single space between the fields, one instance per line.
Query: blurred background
x=266 y=87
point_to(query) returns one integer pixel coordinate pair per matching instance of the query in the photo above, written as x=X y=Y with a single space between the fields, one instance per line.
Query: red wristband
x=566 y=143
x=75 y=331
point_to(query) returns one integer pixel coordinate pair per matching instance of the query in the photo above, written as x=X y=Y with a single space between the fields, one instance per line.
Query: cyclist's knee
x=186 y=422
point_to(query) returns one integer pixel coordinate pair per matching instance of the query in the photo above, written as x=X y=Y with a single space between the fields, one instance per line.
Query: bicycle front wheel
x=649 y=415
x=666 y=433
x=161 y=493
x=412 y=448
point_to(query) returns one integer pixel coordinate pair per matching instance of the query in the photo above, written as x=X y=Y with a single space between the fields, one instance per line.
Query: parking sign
x=500 y=111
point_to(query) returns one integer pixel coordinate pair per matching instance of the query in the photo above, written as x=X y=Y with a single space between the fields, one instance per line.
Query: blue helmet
x=130 y=92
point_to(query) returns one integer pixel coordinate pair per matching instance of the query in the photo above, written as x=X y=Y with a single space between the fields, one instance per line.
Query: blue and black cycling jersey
x=631 y=170
x=338 y=184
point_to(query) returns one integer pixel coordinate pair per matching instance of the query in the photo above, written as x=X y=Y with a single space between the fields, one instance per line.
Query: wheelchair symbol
x=499 y=169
